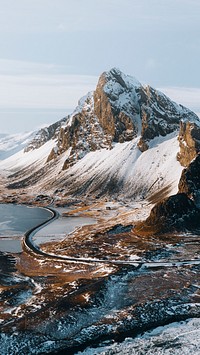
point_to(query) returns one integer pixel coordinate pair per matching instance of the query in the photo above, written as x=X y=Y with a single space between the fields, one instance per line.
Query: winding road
x=31 y=246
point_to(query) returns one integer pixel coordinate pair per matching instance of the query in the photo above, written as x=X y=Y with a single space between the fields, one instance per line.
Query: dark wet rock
x=190 y=180
x=7 y=263
x=176 y=213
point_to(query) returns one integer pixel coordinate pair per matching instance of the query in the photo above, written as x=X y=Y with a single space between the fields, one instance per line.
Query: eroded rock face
x=180 y=212
x=119 y=110
x=116 y=105
x=109 y=115
x=189 y=140
x=159 y=115
x=45 y=134
x=82 y=134
x=176 y=213
x=190 y=180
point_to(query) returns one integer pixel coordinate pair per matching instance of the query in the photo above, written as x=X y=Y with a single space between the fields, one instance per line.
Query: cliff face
x=180 y=212
x=45 y=134
x=189 y=141
x=190 y=180
x=81 y=134
x=174 y=214
x=116 y=105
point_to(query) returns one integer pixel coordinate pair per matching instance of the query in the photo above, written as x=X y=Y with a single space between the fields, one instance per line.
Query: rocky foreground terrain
x=128 y=157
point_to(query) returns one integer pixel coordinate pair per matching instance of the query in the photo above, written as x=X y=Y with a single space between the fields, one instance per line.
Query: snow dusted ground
x=23 y=159
x=129 y=170
x=180 y=338
x=123 y=168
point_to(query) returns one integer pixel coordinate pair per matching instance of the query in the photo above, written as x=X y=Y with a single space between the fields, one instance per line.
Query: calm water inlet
x=15 y=220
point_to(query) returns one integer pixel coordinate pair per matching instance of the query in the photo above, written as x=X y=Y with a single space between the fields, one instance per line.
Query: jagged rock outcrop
x=189 y=140
x=116 y=105
x=176 y=213
x=159 y=115
x=180 y=212
x=45 y=134
x=81 y=134
x=190 y=180
x=119 y=110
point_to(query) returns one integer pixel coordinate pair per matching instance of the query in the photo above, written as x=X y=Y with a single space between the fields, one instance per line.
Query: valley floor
x=117 y=285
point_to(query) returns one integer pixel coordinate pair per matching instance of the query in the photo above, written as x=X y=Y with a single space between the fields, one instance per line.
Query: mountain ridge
x=122 y=139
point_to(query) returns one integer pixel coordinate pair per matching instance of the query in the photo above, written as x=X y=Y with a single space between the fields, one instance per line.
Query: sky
x=53 y=51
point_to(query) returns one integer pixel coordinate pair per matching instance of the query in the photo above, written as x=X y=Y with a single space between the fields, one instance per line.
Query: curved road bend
x=30 y=245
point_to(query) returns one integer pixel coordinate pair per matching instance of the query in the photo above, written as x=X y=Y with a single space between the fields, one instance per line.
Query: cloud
x=21 y=67
x=42 y=16
x=44 y=91
x=28 y=85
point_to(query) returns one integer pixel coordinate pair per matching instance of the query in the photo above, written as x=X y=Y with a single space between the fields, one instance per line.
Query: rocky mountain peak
x=116 y=105
x=119 y=110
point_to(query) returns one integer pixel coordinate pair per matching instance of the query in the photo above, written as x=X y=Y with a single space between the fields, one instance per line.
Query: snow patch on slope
x=24 y=159
x=135 y=174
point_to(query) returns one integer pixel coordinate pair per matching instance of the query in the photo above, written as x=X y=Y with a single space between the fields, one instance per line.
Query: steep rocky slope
x=44 y=135
x=180 y=212
x=190 y=180
x=189 y=139
x=121 y=140
x=119 y=110
x=177 y=213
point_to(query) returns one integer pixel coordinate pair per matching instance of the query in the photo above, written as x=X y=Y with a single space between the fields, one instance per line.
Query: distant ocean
x=22 y=120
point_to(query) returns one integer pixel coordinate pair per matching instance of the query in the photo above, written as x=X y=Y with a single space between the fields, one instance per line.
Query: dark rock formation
x=179 y=212
x=159 y=115
x=190 y=180
x=176 y=213
x=45 y=134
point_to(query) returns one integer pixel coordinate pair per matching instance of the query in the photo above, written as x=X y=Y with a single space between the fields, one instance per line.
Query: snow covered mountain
x=11 y=144
x=124 y=139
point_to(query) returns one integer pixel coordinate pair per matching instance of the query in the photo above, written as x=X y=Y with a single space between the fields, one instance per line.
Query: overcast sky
x=52 y=52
